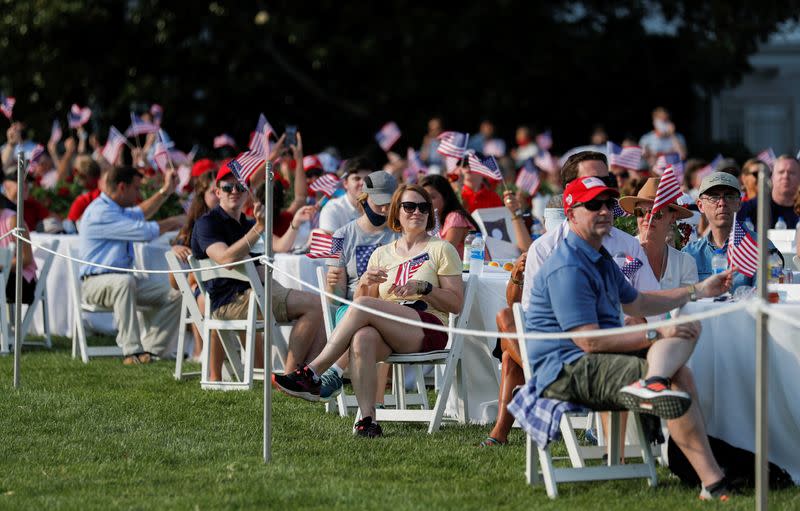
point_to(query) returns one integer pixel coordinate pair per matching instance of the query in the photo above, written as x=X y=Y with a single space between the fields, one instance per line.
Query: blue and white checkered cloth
x=540 y=417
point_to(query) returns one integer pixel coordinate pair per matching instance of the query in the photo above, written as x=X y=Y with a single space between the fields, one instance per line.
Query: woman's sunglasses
x=596 y=204
x=641 y=213
x=410 y=207
x=230 y=187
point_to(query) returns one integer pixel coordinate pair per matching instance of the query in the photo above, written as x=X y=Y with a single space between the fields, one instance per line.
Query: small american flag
x=767 y=156
x=55 y=132
x=708 y=169
x=7 y=105
x=157 y=112
x=453 y=144
x=245 y=165
x=631 y=266
x=415 y=166
x=546 y=161
x=78 y=116
x=544 y=140
x=666 y=160
x=113 y=145
x=388 y=135
x=742 y=250
x=669 y=190
x=626 y=157
x=528 y=178
x=259 y=142
x=140 y=127
x=325 y=246
x=224 y=140
x=495 y=147
x=407 y=270
x=484 y=165
x=618 y=211
x=36 y=154
x=161 y=157
x=179 y=157
x=327 y=184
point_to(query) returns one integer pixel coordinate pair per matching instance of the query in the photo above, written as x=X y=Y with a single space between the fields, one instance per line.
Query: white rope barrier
x=12 y=232
x=751 y=305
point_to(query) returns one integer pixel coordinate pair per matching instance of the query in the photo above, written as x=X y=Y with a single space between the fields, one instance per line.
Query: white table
x=723 y=364
x=784 y=240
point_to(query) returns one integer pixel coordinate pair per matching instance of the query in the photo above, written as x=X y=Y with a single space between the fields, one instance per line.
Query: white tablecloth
x=723 y=364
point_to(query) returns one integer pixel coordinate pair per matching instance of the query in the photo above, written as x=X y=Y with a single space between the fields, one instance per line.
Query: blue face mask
x=373 y=217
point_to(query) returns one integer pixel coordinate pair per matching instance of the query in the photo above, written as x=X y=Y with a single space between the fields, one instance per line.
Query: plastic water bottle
x=781 y=223
x=775 y=268
x=749 y=224
x=719 y=261
x=476 y=255
x=467 y=245
x=537 y=229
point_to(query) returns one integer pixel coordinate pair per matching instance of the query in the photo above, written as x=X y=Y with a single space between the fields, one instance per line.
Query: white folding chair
x=579 y=471
x=79 y=345
x=398 y=398
x=6 y=339
x=39 y=298
x=240 y=360
x=498 y=232
x=450 y=357
x=190 y=312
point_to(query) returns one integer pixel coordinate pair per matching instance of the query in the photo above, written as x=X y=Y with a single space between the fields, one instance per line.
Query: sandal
x=492 y=442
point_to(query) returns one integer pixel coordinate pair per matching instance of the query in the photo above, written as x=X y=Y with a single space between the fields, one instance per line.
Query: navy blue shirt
x=750 y=210
x=214 y=227
x=577 y=285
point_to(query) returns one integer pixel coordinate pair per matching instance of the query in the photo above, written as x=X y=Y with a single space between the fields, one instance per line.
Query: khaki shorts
x=237 y=309
x=595 y=379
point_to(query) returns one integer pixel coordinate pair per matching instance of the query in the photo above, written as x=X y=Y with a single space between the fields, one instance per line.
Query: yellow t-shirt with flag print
x=443 y=260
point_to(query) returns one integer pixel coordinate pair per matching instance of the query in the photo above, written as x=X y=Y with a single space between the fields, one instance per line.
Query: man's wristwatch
x=428 y=289
x=692 y=293
x=653 y=335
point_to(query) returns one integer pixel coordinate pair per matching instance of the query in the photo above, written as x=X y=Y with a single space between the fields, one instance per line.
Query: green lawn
x=105 y=436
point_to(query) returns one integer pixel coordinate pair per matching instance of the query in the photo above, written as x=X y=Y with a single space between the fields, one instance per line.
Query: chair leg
x=421 y=390
x=548 y=472
x=647 y=452
x=444 y=392
x=46 y=322
x=181 y=340
x=613 y=438
x=531 y=462
x=571 y=442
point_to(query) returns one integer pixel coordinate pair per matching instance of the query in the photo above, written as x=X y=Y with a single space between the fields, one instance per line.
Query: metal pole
x=18 y=269
x=267 y=301
x=762 y=337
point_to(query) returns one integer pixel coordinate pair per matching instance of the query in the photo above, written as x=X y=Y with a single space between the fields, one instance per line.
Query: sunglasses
x=230 y=187
x=641 y=213
x=410 y=207
x=596 y=204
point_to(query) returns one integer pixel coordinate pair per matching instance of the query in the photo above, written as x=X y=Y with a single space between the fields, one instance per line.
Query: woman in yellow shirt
x=435 y=290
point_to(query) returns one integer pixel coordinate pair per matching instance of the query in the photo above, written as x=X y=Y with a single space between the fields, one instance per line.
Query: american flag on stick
x=415 y=166
x=708 y=169
x=245 y=165
x=407 y=269
x=742 y=250
x=224 y=140
x=157 y=112
x=140 y=127
x=259 y=142
x=626 y=157
x=325 y=246
x=55 y=132
x=484 y=165
x=669 y=189
x=7 y=105
x=618 y=211
x=453 y=144
x=666 y=160
x=326 y=183
x=78 y=116
x=528 y=178
x=161 y=156
x=388 y=135
x=36 y=154
x=767 y=156
x=631 y=266
x=113 y=145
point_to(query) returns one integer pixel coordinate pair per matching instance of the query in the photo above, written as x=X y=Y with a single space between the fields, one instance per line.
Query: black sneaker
x=366 y=428
x=654 y=396
x=721 y=491
x=298 y=384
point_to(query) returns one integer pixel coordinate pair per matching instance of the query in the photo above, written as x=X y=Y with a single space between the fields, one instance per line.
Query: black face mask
x=373 y=217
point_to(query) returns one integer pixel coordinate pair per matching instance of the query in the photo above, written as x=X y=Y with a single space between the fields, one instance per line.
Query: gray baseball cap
x=719 y=179
x=380 y=185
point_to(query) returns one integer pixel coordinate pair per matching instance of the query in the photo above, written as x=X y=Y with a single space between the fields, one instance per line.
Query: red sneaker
x=654 y=396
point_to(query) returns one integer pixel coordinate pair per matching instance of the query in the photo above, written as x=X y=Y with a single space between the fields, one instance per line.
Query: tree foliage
x=341 y=69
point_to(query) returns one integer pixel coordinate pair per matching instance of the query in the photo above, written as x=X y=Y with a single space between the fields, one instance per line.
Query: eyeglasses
x=410 y=207
x=641 y=213
x=596 y=204
x=728 y=197
x=230 y=187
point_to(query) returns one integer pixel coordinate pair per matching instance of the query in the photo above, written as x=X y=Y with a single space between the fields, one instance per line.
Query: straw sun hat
x=647 y=195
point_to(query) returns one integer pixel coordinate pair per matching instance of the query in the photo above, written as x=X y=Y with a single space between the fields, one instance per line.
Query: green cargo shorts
x=594 y=380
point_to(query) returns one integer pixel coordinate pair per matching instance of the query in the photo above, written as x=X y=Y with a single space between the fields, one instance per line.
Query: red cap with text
x=585 y=189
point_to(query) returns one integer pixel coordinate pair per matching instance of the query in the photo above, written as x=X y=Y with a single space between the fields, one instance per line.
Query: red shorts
x=433 y=340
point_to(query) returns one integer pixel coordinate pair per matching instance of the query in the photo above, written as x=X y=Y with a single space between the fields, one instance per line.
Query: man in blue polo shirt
x=580 y=288
x=226 y=235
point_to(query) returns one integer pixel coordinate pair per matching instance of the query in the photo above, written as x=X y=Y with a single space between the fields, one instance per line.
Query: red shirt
x=35 y=212
x=484 y=198
x=280 y=224
x=80 y=204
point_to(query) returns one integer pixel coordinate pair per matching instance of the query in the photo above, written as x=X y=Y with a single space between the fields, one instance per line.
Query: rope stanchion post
x=267 y=301
x=18 y=270
x=762 y=337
